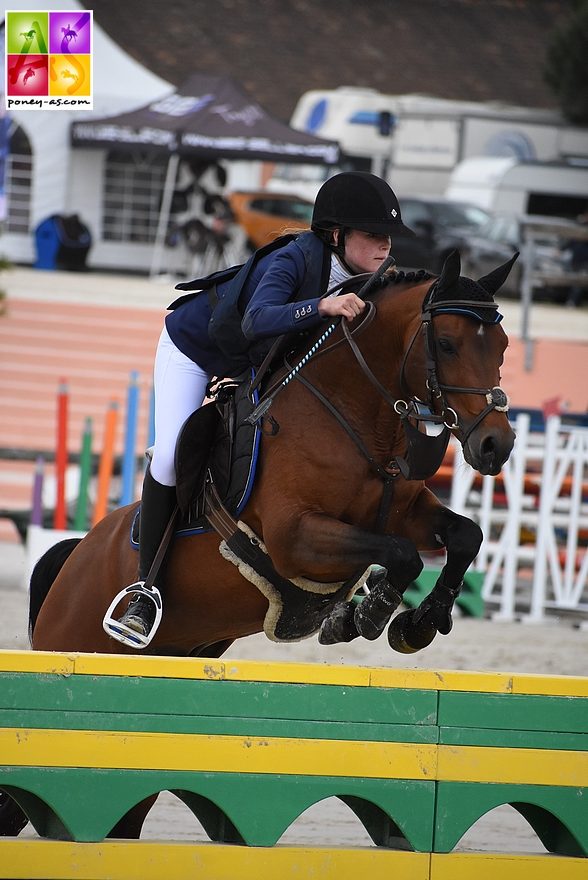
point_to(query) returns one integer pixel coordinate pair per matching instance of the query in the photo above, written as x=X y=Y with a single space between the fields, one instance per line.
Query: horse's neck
x=389 y=337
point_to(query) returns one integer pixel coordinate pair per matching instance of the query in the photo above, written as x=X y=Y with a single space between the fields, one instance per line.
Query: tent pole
x=164 y=212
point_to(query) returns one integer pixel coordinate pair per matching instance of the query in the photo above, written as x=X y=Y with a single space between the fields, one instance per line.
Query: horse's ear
x=497 y=277
x=450 y=271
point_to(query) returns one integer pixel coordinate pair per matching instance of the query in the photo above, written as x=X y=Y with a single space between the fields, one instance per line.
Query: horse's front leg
x=415 y=629
x=385 y=591
x=321 y=548
x=369 y=618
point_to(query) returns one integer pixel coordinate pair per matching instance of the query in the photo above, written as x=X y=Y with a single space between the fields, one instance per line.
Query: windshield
x=460 y=214
x=309 y=173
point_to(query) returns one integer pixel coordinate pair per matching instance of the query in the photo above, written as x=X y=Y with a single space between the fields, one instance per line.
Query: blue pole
x=127 y=495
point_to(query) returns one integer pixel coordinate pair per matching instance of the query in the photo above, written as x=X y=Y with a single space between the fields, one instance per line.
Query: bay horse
x=336 y=490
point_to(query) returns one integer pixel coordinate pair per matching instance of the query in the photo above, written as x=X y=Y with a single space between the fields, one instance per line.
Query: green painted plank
x=469 y=600
x=523 y=739
x=87 y=693
x=259 y=807
x=558 y=814
x=346 y=730
x=513 y=712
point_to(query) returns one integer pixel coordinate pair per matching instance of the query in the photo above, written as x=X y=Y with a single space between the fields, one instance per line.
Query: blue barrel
x=63 y=242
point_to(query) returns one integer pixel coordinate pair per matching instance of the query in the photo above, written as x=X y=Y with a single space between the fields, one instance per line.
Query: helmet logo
x=394 y=212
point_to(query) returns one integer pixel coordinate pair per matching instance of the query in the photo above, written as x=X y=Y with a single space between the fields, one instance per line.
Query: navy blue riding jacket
x=278 y=291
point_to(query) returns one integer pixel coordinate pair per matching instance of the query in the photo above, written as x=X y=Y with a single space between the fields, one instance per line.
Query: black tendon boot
x=157 y=505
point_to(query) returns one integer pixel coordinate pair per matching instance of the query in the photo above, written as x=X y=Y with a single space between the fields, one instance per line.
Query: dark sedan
x=440 y=226
x=503 y=235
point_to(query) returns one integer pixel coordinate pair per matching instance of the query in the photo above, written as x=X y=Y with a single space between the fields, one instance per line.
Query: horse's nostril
x=488 y=446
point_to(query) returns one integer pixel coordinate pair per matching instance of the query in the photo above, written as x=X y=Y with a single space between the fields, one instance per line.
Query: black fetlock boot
x=143 y=613
x=374 y=612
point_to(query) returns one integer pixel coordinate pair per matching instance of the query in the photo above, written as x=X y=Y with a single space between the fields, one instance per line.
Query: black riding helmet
x=358 y=200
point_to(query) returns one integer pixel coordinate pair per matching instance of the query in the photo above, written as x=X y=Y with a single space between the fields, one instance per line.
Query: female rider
x=282 y=287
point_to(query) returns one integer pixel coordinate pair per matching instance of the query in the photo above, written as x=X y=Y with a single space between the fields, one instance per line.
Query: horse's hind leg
x=368 y=618
x=372 y=615
x=339 y=626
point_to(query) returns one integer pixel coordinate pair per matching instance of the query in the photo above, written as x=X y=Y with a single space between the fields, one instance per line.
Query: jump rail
x=540 y=526
x=418 y=756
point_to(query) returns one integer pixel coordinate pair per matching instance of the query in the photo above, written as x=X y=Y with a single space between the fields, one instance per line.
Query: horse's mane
x=400 y=281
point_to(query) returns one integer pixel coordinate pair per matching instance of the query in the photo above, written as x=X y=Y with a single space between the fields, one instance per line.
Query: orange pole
x=60 y=513
x=106 y=463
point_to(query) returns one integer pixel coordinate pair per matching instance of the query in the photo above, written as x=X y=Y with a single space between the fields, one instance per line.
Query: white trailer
x=512 y=187
x=416 y=140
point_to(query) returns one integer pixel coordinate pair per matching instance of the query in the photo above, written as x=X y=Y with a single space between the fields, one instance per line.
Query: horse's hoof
x=445 y=625
x=438 y=615
x=339 y=625
x=408 y=637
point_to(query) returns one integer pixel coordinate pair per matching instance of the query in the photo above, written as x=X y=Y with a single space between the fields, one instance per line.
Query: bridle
x=425 y=453
x=496 y=399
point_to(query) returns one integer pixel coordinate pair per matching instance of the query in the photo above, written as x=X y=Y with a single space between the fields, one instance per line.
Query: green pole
x=81 y=518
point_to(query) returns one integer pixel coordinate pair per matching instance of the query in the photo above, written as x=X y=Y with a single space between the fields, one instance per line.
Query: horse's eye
x=446 y=346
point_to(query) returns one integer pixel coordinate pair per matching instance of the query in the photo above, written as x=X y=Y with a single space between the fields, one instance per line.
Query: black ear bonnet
x=462 y=294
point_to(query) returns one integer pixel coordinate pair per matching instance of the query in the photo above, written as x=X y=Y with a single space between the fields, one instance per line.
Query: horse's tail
x=44 y=573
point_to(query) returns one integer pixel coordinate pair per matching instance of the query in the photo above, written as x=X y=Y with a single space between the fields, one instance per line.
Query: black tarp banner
x=207 y=117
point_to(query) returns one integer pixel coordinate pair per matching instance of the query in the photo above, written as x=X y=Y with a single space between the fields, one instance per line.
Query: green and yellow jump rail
x=418 y=756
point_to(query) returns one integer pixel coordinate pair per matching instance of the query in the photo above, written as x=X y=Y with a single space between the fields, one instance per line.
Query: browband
x=460 y=307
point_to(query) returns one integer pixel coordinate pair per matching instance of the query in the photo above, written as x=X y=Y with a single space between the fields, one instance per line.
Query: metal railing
x=532 y=277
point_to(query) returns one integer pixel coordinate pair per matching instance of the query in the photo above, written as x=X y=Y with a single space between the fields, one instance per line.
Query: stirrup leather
x=125 y=634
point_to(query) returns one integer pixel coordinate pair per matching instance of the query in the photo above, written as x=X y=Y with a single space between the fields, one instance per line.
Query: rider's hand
x=348 y=305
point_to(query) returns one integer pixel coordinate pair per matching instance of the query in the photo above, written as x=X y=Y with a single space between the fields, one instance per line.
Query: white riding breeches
x=179 y=387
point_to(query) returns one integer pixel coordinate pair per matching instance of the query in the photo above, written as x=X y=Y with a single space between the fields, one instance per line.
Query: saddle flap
x=217 y=438
x=193 y=451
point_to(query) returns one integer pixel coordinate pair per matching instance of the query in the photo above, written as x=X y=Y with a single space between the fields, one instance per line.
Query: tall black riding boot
x=157 y=505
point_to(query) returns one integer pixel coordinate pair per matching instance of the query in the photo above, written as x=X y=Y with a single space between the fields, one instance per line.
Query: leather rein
x=411 y=407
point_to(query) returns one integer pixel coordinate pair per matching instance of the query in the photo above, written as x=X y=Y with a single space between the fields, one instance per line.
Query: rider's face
x=365 y=251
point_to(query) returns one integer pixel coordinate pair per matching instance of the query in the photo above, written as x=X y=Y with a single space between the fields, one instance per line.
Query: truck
x=510 y=187
x=415 y=141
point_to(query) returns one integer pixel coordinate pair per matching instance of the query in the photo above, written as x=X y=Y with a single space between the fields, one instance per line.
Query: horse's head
x=464 y=348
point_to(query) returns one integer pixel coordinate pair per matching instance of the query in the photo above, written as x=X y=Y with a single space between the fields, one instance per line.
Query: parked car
x=503 y=235
x=264 y=215
x=440 y=226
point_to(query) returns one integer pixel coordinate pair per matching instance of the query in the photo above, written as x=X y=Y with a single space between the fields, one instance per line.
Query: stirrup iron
x=124 y=634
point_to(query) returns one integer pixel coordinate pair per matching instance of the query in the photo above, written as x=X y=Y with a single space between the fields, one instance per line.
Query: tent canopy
x=207 y=117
